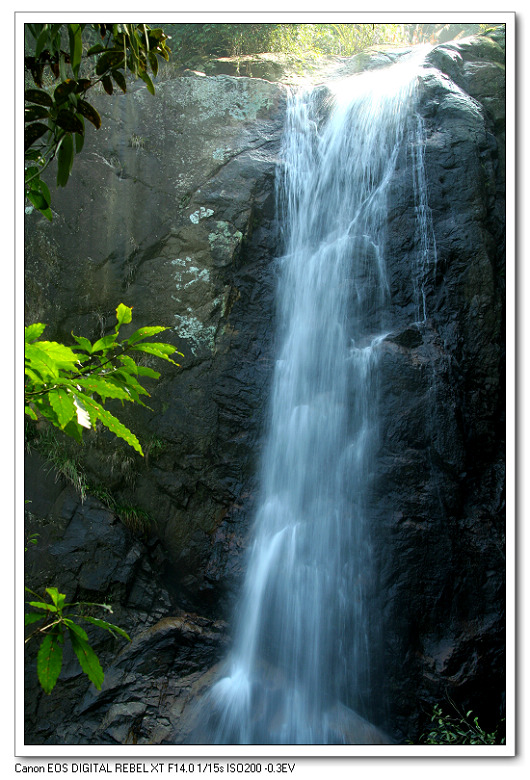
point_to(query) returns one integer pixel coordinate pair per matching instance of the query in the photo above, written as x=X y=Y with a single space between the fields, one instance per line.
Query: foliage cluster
x=232 y=40
x=63 y=384
x=56 y=106
x=58 y=621
x=457 y=729
x=69 y=386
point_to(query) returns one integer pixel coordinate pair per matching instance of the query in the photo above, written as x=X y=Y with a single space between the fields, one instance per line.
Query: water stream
x=301 y=670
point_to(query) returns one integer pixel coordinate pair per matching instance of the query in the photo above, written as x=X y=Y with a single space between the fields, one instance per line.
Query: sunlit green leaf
x=57 y=598
x=159 y=350
x=33 y=331
x=30 y=412
x=146 y=371
x=97 y=411
x=104 y=343
x=96 y=384
x=83 y=342
x=123 y=315
x=43 y=605
x=63 y=405
x=143 y=333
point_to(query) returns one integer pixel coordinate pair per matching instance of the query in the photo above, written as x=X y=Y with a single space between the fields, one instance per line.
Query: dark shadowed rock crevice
x=171 y=209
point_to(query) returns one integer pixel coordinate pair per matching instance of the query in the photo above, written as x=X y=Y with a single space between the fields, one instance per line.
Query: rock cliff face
x=171 y=209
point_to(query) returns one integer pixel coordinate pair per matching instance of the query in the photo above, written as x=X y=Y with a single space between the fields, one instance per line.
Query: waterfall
x=303 y=664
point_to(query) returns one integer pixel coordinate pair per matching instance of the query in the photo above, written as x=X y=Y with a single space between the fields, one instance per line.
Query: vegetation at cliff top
x=239 y=39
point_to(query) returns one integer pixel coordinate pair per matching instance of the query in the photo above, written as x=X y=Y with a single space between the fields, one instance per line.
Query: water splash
x=302 y=665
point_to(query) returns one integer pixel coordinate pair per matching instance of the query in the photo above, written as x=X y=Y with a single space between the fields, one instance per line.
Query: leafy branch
x=57 y=622
x=54 y=122
x=70 y=385
x=458 y=729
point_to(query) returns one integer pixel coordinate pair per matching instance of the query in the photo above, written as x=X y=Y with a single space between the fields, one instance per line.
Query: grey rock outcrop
x=171 y=209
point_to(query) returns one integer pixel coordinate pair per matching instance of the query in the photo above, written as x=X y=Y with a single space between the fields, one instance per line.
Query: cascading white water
x=302 y=658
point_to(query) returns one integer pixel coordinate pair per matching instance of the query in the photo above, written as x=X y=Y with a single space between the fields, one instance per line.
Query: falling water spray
x=306 y=645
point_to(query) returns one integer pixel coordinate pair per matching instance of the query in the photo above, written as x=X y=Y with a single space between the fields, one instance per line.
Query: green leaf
x=33 y=331
x=57 y=598
x=114 y=425
x=69 y=121
x=107 y=84
x=31 y=172
x=74 y=430
x=145 y=77
x=65 y=159
x=56 y=353
x=33 y=132
x=29 y=411
x=153 y=61
x=64 y=89
x=32 y=617
x=128 y=363
x=107 y=626
x=103 y=388
x=42 y=40
x=105 y=343
x=43 y=605
x=159 y=350
x=81 y=633
x=79 y=141
x=108 y=60
x=87 y=658
x=95 y=49
x=123 y=315
x=42 y=187
x=38 y=96
x=119 y=78
x=142 y=333
x=145 y=371
x=38 y=199
x=76 y=47
x=135 y=389
x=63 y=405
x=50 y=660
x=84 y=343
x=89 y=112
x=31 y=113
